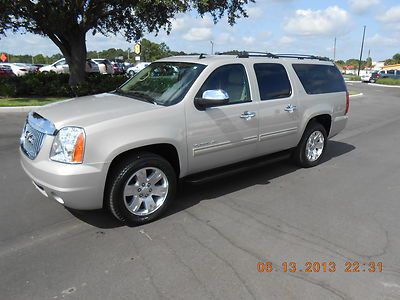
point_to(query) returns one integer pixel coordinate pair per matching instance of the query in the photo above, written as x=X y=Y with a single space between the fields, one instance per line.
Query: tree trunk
x=76 y=58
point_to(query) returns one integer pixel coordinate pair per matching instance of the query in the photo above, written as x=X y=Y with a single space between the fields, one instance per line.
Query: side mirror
x=212 y=98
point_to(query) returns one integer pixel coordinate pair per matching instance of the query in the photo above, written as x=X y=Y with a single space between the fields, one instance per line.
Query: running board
x=233 y=169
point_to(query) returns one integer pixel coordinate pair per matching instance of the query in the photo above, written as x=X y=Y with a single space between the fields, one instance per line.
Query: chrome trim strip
x=277 y=133
x=224 y=145
x=41 y=124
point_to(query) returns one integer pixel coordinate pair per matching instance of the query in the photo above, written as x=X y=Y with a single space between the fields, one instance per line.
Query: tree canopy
x=394 y=60
x=67 y=22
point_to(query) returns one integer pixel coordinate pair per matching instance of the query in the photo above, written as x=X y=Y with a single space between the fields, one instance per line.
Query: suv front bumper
x=75 y=186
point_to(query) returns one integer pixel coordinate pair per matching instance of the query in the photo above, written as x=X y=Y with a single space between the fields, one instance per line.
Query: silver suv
x=125 y=150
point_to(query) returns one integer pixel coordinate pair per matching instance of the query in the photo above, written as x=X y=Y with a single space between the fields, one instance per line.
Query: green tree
x=39 y=59
x=394 y=60
x=67 y=22
x=369 y=62
x=153 y=51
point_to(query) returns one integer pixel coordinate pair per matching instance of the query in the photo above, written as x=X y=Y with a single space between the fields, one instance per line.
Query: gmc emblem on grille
x=29 y=137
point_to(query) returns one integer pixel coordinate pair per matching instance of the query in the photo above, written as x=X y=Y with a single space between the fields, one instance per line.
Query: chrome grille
x=35 y=130
x=31 y=141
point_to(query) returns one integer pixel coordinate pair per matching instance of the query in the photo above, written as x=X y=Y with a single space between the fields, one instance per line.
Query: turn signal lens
x=77 y=156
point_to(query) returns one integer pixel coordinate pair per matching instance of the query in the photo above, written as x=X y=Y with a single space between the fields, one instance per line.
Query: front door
x=225 y=134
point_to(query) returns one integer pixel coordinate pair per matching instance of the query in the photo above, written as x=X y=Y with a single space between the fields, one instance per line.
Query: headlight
x=69 y=145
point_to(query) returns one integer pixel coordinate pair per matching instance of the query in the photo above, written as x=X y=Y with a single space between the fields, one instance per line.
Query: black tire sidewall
x=123 y=172
x=300 y=153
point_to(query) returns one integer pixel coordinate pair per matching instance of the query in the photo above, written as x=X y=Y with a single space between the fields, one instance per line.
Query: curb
x=357 y=95
x=384 y=85
x=6 y=109
x=353 y=81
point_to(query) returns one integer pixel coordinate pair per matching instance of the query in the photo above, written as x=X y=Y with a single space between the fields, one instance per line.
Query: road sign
x=137 y=49
x=137 y=58
x=3 y=57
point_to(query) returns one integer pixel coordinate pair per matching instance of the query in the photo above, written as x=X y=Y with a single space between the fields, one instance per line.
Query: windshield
x=162 y=83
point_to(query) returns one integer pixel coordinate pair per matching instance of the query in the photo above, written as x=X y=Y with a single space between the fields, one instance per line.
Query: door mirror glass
x=212 y=98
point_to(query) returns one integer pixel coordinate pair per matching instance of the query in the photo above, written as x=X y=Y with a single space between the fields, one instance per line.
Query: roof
x=212 y=59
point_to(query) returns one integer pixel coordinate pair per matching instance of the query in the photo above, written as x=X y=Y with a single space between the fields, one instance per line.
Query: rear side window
x=320 y=79
x=273 y=81
x=390 y=72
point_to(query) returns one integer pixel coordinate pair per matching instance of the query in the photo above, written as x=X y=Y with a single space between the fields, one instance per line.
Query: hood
x=88 y=110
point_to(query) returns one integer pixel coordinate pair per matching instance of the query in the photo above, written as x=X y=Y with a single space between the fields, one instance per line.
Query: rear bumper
x=338 y=124
x=74 y=186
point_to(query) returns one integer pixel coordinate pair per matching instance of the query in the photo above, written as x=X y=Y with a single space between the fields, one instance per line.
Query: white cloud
x=361 y=6
x=392 y=15
x=224 y=38
x=178 y=24
x=198 y=34
x=285 y=40
x=248 y=40
x=331 y=21
x=378 y=40
x=255 y=12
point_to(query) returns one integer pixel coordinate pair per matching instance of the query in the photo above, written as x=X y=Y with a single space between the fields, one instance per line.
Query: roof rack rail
x=247 y=54
x=303 y=56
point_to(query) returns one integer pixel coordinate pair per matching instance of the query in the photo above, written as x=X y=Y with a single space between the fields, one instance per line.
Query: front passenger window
x=230 y=78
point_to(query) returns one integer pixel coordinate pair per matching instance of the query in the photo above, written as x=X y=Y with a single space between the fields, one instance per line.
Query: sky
x=277 y=26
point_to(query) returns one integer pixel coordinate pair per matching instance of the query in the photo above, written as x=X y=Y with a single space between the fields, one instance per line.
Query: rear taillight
x=347 y=103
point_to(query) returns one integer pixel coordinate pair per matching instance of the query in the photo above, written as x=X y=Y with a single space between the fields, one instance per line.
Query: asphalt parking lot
x=345 y=211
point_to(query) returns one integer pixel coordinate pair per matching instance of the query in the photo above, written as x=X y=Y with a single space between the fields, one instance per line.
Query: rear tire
x=311 y=148
x=140 y=188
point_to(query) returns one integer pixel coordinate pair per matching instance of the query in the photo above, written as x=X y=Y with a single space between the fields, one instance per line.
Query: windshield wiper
x=137 y=95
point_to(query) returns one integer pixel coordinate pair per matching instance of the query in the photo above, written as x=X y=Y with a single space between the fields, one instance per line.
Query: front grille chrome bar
x=34 y=133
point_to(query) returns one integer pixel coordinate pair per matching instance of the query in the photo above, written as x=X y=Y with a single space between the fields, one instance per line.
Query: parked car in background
x=395 y=74
x=118 y=68
x=366 y=77
x=6 y=71
x=137 y=68
x=374 y=77
x=61 y=67
x=18 y=69
x=105 y=66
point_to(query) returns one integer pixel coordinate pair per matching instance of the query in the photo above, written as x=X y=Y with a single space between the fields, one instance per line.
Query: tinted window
x=273 y=81
x=390 y=72
x=230 y=78
x=320 y=79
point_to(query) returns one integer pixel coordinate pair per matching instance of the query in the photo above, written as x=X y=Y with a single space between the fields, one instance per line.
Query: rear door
x=278 y=108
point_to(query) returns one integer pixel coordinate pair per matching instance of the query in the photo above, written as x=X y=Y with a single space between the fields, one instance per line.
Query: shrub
x=352 y=77
x=56 y=85
x=388 y=81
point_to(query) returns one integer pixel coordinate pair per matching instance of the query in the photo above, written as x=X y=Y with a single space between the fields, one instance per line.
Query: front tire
x=140 y=188
x=311 y=148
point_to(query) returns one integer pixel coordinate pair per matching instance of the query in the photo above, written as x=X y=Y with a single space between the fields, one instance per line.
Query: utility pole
x=361 y=52
x=212 y=47
x=334 y=50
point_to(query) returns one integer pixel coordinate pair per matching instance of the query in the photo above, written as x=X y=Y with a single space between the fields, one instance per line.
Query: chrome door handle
x=247 y=115
x=290 y=108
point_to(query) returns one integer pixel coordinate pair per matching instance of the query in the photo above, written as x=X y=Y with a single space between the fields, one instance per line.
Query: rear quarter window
x=320 y=79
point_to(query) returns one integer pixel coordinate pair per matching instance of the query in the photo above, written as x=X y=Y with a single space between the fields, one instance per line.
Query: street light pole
x=334 y=50
x=212 y=47
x=361 y=52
